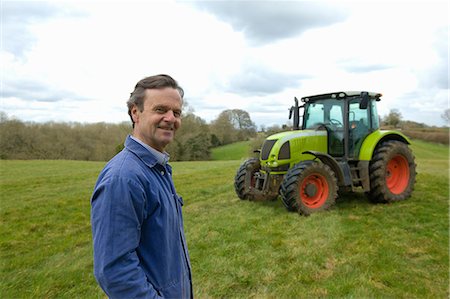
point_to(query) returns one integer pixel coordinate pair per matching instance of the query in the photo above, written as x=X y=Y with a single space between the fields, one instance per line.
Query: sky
x=79 y=61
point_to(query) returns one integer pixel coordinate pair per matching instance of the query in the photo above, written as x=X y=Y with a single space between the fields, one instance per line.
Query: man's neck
x=161 y=157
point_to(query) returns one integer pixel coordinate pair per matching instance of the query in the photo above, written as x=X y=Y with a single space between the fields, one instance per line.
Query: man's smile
x=167 y=128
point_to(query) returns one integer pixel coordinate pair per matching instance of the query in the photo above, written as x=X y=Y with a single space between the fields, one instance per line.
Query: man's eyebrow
x=161 y=106
x=166 y=107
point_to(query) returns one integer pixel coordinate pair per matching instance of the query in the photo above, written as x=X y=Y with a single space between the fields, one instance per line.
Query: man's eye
x=177 y=113
x=161 y=110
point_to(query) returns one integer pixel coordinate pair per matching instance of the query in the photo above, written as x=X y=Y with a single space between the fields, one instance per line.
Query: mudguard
x=376 y=137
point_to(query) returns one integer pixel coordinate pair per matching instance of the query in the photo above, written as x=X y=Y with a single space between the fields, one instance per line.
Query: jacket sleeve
x=117 y=213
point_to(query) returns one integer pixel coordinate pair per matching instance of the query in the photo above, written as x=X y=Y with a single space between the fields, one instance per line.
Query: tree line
x=101 y=141
x=394 y=120
x=193 y=141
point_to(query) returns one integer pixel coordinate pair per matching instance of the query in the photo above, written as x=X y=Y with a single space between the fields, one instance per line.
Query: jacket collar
x=161 y=158
x=140 y=151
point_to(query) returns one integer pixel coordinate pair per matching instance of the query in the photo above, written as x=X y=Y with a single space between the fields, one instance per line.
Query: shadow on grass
x=349 y=198
x=346 y=201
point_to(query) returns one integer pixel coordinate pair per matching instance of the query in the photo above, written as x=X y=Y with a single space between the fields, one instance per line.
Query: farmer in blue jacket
x=140 y=249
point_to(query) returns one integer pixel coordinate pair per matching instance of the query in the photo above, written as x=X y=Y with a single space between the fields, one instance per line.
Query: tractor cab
x=348 y=117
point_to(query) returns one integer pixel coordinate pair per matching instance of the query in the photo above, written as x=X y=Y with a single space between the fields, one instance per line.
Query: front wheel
x=392 y=172
x=246 y=172
x=309 y=187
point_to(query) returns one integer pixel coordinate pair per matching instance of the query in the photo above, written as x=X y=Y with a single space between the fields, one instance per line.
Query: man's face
x=161 y=117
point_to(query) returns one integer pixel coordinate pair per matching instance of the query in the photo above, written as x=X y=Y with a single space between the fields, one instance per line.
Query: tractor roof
x=340 y=95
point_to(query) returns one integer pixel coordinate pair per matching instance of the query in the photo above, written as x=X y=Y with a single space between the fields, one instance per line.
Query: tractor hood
x=282 y=150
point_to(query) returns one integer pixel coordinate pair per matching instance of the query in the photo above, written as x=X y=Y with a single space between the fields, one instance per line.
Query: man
x=140 y=249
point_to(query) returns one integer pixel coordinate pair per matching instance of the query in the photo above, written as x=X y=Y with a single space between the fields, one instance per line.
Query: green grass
x=234 y=151
x=238 y=249
x=432 y=158
x=45 y=229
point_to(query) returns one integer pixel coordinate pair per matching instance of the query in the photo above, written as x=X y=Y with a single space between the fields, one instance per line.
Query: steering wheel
x=335 y=122
x=319 y=126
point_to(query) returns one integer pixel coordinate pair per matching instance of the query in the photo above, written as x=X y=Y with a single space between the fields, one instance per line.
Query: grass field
x=239 y=249
x=234 y=151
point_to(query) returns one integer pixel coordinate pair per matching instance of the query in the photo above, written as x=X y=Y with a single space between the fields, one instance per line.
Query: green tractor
x=339 y=146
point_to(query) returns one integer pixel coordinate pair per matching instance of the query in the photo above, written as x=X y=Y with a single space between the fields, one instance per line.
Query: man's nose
x=169 y=116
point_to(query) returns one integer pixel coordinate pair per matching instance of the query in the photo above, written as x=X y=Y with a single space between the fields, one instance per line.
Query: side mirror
x=364 y=100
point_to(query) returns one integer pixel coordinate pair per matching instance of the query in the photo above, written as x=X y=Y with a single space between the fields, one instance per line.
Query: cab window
x=375 y=119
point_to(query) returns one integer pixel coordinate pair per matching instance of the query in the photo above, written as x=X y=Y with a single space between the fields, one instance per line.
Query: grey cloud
x=364 y=68
x=437 y=77
x=211 y=105
x=29 y=90
x=270 y=108
x=267 y=21
x=438 y=74
x=423 y=106
x=256 y=80
x=18 y=16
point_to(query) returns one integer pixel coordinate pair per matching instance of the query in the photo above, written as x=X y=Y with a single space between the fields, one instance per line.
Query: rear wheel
x=392 y=172
x=247 y=169
x=309 y=187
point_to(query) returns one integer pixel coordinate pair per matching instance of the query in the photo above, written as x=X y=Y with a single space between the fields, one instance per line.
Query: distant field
x=234 y=151
x=438 y=135
x=239 y=249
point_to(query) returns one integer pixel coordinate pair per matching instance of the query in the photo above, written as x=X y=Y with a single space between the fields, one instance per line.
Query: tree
x=394 y=118
x=240 y=119
x=446 y=117
x=71 y=141
x=192 y=140
x=3 y=116
x=223 y=129
x=233 y=125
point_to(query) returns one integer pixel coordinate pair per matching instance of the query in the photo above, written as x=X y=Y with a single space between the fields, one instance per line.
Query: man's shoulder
x=123 y=159
x=124 y=165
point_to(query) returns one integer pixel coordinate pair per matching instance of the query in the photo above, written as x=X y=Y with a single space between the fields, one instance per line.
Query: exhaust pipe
x=295 y=110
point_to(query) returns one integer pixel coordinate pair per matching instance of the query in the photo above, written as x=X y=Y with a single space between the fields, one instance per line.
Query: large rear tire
x=392 y=172
x=309 y=187
x=248 y=168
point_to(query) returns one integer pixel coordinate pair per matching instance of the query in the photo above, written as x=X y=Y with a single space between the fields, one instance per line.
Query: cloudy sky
x=69 y=61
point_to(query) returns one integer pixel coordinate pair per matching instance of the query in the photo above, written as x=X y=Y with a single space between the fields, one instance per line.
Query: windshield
x=324 y=112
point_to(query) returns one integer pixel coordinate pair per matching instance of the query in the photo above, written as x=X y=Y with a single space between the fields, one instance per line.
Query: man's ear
x=135 y=113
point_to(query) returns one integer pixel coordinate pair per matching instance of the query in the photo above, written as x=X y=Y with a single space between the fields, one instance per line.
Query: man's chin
x=167 y=137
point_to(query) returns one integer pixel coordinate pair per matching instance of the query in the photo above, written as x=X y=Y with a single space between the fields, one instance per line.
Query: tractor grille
x=266 y=148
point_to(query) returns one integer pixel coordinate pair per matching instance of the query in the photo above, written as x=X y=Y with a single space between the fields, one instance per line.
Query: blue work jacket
x=139 y=244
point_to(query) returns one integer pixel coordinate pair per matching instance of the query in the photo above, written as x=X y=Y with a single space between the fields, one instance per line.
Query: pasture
x=238 y=249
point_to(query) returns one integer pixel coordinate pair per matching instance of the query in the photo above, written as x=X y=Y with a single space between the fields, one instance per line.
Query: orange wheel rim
x=397 y=174
x=314 y=191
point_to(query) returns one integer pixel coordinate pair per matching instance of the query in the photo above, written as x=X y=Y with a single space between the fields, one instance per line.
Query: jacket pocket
x=178 y=289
